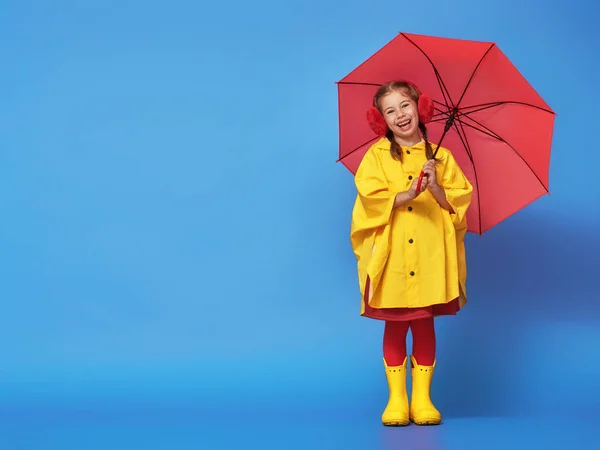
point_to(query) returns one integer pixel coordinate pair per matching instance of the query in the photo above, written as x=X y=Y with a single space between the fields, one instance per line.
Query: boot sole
x=426 y=422
x=394 y=423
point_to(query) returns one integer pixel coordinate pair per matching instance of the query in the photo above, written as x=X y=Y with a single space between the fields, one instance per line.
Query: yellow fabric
x=380 y=234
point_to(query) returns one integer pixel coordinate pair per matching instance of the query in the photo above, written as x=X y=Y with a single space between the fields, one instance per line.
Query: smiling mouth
x=403 y=124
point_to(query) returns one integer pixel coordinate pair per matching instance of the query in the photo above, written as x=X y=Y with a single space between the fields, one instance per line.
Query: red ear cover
x=426 y=108
x=376 y=121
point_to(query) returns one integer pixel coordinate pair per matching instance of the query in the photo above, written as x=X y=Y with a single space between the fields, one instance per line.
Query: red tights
x=394 y=341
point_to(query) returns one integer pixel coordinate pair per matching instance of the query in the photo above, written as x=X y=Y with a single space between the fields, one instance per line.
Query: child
x=409 y=244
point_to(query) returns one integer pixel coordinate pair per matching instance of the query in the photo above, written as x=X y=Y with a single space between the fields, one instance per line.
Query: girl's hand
x=430 y=175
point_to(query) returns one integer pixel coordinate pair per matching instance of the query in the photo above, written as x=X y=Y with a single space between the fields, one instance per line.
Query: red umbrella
x=495 y=124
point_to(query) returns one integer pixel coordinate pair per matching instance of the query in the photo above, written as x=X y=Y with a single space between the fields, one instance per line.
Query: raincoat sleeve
x=374 y=201
x=458 y=190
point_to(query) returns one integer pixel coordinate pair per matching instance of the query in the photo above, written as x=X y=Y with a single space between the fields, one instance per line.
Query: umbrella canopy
x=496 y=125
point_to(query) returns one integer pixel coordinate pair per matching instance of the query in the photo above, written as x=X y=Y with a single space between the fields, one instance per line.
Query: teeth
x=404 y=123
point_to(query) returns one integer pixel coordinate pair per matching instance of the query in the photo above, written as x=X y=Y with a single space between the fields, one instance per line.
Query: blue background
x=175 y=227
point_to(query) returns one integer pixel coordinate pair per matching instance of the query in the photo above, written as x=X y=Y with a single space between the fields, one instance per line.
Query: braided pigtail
x=428 y=147
x=395 y=148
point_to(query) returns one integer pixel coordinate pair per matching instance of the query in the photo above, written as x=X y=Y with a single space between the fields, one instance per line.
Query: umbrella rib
x=447 y=101
x=443 y=110
x=465 y=143
x=484 y=106
x=357 y=148
x=441 y=114
x=474 y=72
x=486 y=131
x=441 y=83
x=500 y=138
x=358 y=83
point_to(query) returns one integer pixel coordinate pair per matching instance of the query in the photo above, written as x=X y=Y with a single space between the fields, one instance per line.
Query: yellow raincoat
x=413 y=256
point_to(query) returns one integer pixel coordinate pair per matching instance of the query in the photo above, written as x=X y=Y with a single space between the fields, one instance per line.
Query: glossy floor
x=188 y=430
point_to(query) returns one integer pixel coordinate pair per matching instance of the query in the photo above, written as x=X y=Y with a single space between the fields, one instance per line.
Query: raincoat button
x=410 y=177
x=408 y=152
x=410 y=208
x=412 y=274
x=410 y=241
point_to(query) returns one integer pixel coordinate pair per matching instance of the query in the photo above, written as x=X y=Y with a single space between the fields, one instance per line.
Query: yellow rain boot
x=396 y=411
x=422 y=411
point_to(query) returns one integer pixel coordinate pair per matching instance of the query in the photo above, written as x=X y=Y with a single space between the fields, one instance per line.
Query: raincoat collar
x=385 y=144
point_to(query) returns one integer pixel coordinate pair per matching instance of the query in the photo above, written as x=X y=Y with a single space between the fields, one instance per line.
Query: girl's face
x=402 y=116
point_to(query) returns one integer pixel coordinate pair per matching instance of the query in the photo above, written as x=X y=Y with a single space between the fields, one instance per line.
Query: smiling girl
x=409 y=244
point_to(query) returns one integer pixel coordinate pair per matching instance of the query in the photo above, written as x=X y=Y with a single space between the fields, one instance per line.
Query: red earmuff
x=376 y=121
x=425 y=106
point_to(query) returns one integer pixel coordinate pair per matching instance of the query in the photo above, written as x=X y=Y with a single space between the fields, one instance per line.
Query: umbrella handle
x=420 y=182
